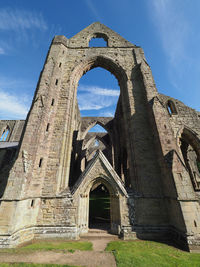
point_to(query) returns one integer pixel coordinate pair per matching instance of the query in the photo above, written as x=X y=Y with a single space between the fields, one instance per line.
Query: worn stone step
x=95 y=233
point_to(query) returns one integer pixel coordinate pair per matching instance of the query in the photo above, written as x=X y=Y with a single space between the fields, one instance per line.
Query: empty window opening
x=60 y=64
x=97 y=129
x=40 y=162
x=5 y=134
x=56 y=83
x=96 y=143
x=47 y=128
x=52 y=102
x=101 y=141
x=98 y=93
x=98 y=42
x=195 y=224
x=171 y=107
x=99 y=207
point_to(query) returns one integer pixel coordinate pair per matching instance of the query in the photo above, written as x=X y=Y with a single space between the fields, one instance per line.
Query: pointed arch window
x=97 y=129
x=5 y=134
x=191 y=157
x=96 y=143
x=171 y=107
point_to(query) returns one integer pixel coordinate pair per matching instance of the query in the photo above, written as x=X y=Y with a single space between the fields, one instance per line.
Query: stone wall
x=142 y=144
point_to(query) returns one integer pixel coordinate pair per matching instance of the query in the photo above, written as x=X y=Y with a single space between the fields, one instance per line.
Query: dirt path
x=82 y=258
x=96 y=258
x=100 y=244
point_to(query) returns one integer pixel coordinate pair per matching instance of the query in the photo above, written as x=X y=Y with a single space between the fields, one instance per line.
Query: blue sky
x=167 y=30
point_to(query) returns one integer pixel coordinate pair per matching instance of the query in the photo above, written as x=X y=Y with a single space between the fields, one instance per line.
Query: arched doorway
x=108 y=217
x=99 y=207
x=99 y=179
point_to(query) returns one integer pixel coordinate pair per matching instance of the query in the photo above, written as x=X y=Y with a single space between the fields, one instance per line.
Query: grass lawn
x=151 y=254
x=46 y=246
x=54 y=245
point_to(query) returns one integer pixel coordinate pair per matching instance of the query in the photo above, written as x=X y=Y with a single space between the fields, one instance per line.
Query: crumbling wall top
x=95 y=30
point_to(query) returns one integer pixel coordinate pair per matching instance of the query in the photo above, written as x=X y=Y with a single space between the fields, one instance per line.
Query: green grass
x=56 y=245
x=33 y=265
x=151 y=254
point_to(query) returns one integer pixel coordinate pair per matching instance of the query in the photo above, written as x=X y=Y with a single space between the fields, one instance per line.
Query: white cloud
x=107 y=114
x=12 y=106
x=2 y=51
x=173 y=28
x=99 y=91
x=17 y=19
x=96 y=98
x=92 y=102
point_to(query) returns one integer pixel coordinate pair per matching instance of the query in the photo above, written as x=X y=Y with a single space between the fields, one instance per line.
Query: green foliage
x=57 y=245
x=33 y=265
x=151 y=254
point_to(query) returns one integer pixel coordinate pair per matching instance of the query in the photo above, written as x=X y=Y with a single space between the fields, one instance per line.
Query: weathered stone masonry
x=148 y=159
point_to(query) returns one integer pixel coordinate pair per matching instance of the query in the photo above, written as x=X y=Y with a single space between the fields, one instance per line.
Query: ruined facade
x=148 y=160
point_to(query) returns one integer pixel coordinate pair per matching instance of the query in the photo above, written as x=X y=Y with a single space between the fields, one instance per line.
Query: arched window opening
x=5 y=134
x=94 y=147
x=97 y=129
x=171 y=107
x=99 y=207
x=96 y=143
x=98 y=42
x=98 y=93
x=191 y=161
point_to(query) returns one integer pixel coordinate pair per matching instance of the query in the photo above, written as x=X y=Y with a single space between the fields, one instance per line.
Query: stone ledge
x=28 y=234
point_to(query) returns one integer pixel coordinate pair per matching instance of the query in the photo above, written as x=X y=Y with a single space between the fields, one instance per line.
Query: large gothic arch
x=46 y=182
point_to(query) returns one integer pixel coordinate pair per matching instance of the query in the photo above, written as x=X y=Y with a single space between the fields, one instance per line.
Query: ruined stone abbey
x=148 y=160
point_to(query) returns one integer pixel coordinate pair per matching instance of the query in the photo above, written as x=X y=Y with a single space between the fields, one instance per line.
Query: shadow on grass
x=150 y=254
